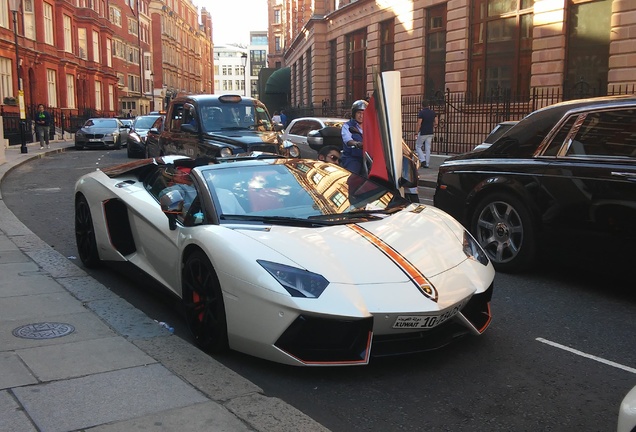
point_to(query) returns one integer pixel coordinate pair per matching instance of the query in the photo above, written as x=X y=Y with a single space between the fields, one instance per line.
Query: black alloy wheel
x=203 y=304
x=85 y=234
x=503 y=227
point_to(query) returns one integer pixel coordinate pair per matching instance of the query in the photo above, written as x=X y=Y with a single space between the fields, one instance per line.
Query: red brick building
x=103 y=57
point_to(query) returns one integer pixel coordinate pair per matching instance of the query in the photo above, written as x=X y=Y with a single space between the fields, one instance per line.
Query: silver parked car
x=299 y=128
x=102 y=132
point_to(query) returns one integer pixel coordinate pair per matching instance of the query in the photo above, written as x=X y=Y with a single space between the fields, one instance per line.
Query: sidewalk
x=74 y=356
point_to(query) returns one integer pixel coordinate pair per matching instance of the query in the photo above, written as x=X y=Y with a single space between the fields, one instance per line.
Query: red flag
x=372 y=142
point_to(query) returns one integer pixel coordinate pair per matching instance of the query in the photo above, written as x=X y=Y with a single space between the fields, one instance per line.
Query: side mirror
x=409 y=176
x=315 y=140
x=189 y=128
x=172 y=205
x=153 y=130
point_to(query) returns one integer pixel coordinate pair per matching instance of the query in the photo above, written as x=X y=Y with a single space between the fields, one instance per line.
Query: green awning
x=279 y=81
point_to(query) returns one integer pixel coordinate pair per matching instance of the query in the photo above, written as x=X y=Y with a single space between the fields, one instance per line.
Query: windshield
x=145 y=122
x=103 y=123
x=300 y=189
x=224 y=117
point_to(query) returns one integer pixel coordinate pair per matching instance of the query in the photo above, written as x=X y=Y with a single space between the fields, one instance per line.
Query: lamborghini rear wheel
x=203 y=304
x=85 y=234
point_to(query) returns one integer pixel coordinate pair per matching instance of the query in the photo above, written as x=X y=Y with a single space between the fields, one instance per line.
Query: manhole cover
x=45 y=330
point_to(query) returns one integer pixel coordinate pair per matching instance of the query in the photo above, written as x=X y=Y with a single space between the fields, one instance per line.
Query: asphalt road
x=559 y=356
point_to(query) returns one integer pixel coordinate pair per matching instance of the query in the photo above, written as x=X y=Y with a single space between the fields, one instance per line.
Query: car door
x=591 y=183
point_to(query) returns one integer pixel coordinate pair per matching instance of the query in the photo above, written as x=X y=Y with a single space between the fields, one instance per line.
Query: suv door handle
x=630 y=176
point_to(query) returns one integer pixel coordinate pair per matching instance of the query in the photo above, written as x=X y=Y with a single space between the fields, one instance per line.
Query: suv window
x=176 y=118
x=606 y=133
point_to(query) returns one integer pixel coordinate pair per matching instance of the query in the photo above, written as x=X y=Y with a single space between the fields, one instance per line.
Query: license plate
x=425 y=321
x=94 y=139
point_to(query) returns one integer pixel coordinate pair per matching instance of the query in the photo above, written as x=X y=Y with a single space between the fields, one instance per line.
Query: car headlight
x=110 y=134
x=297 y=282
x=225 y=152
x=133 y=136
x=473 y=250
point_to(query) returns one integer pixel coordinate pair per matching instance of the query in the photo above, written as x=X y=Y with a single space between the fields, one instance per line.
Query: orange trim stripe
x=409 y=269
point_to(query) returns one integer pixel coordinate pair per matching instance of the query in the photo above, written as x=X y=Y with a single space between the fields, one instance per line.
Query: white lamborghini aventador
x=296 y=261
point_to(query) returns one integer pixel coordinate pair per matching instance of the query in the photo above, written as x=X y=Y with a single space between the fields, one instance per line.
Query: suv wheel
x=503 y=227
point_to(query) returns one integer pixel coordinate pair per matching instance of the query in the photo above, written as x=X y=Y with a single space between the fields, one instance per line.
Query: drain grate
x=44 y=330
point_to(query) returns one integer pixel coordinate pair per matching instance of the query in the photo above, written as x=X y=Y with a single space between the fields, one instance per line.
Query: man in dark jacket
x=352 y=138
x=42 y=126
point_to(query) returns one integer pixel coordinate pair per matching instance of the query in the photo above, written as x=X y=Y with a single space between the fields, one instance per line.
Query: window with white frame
x=134 y=83
x=82 y=43
x=133 y=26
x=109 y=53
x=51 y=87
x=96 y=46
x=70 y=91
x=98 y=95
x=114 y=15
x=6 y=78
x=28 y=19
x=68 y=36
x=4 y=14
x=48 y=23
x=111 y=96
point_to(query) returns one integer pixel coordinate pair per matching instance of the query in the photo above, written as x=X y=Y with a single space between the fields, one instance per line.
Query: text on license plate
x=425 y=321
x=94 y=139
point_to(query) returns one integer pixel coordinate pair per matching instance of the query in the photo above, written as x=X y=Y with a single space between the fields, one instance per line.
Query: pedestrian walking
x=426 y=124
x=42 y=126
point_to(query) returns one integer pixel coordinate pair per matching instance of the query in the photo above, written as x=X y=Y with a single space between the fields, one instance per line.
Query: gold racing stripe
x=409 y=269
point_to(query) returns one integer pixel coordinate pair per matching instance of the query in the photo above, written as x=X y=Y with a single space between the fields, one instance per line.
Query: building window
x=111 y=96
x=588 y=47
x=333 y=67
x=435 y=46
x=133 y=26
x=68 y=36
x=98 y=96
x=82 y=43
x=4 y=14
x=109 y=53
x=51 y=87
x=277 y=46
x=70 y=91
x=114 y=15
x=387 y=43
x=501 y=47
x=133 y=83
x=6 y=78
x=29 y=19
x=48 y=23
x=356 y=78
x=276 y=16
x=96 y=46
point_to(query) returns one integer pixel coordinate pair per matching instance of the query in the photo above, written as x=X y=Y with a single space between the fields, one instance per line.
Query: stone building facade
x=477 y=47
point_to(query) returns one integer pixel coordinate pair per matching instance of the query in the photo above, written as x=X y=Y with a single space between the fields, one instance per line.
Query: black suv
x=211 y=125
x=561 y=182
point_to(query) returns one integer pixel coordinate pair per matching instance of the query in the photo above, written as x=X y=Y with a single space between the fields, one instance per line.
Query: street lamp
x=244 y=63
x=14 y=5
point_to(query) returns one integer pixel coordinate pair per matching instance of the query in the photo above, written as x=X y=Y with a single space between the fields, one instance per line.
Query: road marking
x=590 y=356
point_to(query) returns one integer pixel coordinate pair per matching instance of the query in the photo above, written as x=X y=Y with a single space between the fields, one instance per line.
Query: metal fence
x=464 y=120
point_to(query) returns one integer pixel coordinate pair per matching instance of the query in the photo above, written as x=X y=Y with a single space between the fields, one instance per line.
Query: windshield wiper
x=278 y=220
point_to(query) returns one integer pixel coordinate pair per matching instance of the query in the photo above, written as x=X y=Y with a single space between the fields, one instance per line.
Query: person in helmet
x=352 y=155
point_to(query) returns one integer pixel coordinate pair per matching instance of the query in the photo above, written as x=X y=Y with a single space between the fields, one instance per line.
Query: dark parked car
x=497 y=132
x=562 y=181
x=102 y=132
x=137 y=137
x=211 y=125
x=152 y=138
